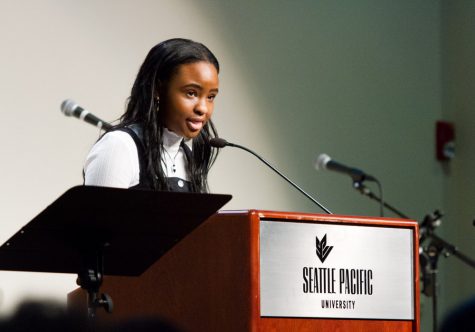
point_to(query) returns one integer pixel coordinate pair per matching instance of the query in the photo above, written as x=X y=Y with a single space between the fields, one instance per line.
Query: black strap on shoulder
x=186 y=150
x=144 y=181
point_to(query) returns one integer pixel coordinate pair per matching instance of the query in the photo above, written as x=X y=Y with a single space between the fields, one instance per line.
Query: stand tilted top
x=136 y=226
x=96 y=231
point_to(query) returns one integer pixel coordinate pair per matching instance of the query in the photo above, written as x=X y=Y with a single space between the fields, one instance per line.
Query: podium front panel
x=211 y=280
x=325 y=270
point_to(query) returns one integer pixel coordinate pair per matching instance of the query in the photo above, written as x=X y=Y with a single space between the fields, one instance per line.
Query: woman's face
x=189 y=99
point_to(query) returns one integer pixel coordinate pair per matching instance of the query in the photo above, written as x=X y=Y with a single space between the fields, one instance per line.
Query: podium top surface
x=304 y=217
x=134 y=228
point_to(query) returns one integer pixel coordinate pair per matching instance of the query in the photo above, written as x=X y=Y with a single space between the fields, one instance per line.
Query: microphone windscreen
x=217 y=142
x=68 y=106
x=321 y=162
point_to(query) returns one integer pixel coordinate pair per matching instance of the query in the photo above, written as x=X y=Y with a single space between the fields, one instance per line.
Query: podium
x=278 y=271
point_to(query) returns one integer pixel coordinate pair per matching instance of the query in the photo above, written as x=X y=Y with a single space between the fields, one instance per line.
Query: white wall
x=89 y=51
x=359 y=80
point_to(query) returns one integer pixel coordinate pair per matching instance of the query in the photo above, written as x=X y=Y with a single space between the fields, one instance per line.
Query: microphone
x=71 y=108
x=324 y=162
x=217 y=142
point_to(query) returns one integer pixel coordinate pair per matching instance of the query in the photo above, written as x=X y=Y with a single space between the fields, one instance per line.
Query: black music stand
x=96 y=231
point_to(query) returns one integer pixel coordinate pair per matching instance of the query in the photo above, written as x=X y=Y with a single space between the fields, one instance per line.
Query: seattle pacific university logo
x=322 y=249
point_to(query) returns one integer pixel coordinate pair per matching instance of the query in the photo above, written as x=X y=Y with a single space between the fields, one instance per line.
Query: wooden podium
x=212 y=279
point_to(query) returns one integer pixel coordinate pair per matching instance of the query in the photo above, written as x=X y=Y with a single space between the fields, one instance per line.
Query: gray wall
x=360 y=80
x=458 y=35
x=357 y=80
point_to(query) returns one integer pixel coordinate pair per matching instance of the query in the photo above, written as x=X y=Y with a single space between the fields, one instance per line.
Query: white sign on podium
x=336 y=271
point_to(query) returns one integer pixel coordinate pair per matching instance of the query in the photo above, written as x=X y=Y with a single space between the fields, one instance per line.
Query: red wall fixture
x=444 y=140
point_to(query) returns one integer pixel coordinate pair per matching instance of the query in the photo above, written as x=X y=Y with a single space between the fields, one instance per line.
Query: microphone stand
x=452 y=250
x=358 y=185
x=429 y=256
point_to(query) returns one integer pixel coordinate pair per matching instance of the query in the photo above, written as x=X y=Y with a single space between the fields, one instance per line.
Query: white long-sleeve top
x=113 y=161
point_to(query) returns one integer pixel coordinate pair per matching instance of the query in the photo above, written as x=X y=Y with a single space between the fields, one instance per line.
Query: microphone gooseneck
x=71 y=108
x=221 y=143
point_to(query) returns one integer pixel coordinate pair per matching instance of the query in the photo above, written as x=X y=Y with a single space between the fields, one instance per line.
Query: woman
x=161 y=140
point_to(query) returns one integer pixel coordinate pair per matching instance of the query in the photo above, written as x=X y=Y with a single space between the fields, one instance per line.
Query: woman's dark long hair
x=160 y=64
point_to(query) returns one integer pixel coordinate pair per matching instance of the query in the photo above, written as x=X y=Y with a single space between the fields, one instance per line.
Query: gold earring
x=157 y=106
